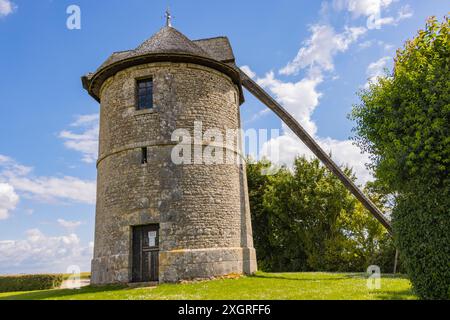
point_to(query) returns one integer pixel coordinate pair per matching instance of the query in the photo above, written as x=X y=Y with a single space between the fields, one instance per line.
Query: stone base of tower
x=110 y=270
x=191 y=264
x=179 y=265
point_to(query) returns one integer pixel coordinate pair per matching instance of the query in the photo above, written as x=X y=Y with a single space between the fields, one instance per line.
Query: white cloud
x=302 y=97
x=346 y=153
x=47 y=189
x=258 y=115
x=8 y=200
x=376 y=70
x=6 y=8
x=372 y=10
x=41 y=253
x=51 y=189
x=369 y=43
x=405 y=12
x=319 y=50
x=85 y=141
x=299 y=98
x=69 y=224
x=343 y=152
x=362 y=7
x=86 y=119
x=366 y=44
x=248 y=71
x=11 y=167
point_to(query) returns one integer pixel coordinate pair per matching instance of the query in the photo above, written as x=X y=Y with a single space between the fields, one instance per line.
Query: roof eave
x=93 y=82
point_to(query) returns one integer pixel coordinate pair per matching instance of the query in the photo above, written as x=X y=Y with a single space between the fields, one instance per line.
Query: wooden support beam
x=293 y=124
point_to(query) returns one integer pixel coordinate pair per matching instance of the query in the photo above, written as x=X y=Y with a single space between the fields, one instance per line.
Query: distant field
x=83 y=275
x=286 y=286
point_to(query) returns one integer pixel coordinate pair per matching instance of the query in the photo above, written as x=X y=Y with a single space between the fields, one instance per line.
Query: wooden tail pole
x=293 y=124
x=395 y=261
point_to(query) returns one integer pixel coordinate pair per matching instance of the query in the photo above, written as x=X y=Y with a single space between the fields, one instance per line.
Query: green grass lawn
x=260 y=286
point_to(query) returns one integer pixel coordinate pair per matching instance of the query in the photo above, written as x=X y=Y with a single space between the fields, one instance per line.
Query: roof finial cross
x=168 y=18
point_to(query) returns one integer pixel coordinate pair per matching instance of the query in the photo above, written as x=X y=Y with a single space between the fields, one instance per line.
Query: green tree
x=258 y=184
x=403 y=121
x=306 y=220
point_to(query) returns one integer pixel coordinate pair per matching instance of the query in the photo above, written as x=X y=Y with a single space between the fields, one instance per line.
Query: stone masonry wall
x=202 y=209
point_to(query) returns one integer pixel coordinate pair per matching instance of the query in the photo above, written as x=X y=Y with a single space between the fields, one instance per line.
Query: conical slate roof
x=167 y=40
x=170 y=40
x=167 y=45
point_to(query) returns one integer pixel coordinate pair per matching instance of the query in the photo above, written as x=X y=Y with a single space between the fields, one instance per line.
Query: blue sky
x=313 y=56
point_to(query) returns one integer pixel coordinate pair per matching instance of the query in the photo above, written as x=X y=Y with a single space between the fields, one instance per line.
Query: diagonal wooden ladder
x=293 y=124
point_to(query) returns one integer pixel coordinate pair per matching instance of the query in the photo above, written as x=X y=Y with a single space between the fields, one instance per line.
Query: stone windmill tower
x=161 y=221
x=156 y=220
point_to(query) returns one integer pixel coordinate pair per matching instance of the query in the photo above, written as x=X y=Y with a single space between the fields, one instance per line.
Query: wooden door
x=145 y=253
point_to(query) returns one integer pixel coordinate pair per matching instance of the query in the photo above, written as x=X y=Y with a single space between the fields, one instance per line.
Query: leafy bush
x=422 y=224
x=403 y=121
x=30 y=282
x=306 y=220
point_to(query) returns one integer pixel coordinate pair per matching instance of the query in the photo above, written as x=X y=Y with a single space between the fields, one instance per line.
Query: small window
x=144 y=155
x=145 y=94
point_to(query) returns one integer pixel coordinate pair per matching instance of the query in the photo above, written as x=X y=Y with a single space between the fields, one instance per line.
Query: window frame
x=137 y=96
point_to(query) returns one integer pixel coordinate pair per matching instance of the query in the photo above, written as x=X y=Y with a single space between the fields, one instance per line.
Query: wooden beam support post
x=293 y=124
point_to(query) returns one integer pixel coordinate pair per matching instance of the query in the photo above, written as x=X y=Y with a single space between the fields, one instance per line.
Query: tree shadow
x=395 y=295
x=61 y=293
x=343 y=276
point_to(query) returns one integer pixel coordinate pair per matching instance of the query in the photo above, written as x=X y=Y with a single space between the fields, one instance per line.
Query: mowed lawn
x=285 y=286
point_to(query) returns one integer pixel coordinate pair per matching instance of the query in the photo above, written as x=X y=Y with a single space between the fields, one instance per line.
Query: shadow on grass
x=340 y=276
x=61 y=293
x=294 y=278
x=395 y=295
